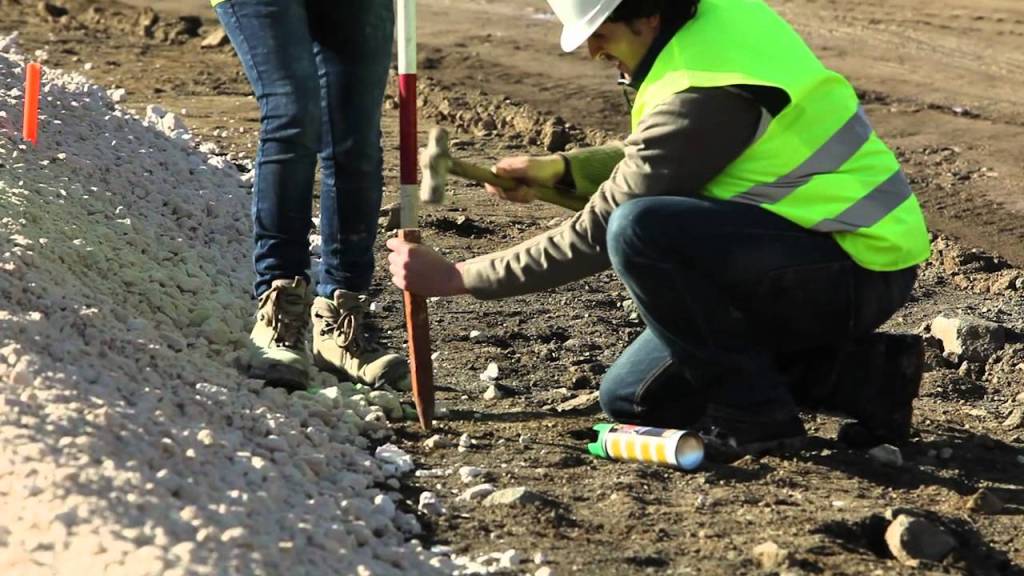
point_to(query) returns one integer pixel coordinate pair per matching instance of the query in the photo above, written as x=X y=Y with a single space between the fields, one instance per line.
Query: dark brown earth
x=942 y=82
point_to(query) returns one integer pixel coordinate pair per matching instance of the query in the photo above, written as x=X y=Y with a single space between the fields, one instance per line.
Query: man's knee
x=628 y=227
x=616 y=402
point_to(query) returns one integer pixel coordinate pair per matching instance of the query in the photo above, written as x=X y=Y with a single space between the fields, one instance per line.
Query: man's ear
x=646 y=25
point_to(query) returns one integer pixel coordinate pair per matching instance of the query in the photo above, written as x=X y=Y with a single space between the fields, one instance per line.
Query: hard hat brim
x=575 y=35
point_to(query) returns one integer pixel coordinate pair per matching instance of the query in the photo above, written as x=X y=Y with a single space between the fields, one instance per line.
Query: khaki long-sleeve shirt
x=676 y=149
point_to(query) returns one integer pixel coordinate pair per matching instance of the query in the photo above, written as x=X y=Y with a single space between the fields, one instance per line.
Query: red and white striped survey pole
x=417 y=325
x=407 y=110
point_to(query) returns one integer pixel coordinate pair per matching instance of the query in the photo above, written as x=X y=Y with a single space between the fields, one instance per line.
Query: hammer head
x=435 y=161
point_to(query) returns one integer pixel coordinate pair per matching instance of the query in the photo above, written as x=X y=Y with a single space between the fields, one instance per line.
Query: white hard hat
x=580 y=18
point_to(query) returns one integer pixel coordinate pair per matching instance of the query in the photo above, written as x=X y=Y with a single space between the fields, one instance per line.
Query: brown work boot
x=873 y=379
x=281 y=356
x=731 y=433
x=891 y=368
x=341 y=347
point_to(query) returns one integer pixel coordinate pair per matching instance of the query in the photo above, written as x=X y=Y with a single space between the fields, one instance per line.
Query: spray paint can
x=682 y=449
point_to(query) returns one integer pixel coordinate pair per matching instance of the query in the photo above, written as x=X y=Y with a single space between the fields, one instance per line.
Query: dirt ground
x=941 y=81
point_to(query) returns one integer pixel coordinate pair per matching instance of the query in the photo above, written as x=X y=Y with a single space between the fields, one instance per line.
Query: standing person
x=318 y=69
x=760 y=224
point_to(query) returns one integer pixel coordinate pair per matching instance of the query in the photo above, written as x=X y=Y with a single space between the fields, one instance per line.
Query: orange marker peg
x=30 y=123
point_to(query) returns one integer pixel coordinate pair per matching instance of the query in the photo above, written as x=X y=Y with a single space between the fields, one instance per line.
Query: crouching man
x=762 y=227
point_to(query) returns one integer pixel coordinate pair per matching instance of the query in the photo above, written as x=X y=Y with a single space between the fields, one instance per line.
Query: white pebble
x=433 y=472
x=478 y=492
x=886 y=454
x=436 y=442
x=430 y=505
x=491 y=373
x=469 y=473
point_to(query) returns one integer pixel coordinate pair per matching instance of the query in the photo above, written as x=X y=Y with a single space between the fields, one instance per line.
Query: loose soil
x=941 y=82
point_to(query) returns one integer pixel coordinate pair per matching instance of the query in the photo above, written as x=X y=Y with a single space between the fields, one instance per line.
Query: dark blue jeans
x=726 y=291
x=318 y=69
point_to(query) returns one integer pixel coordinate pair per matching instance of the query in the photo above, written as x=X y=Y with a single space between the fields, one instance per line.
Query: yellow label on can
x=651 y=445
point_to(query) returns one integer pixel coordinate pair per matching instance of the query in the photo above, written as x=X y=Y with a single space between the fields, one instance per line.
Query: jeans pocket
x=804 y=306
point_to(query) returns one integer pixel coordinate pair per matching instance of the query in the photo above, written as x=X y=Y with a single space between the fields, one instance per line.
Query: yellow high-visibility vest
x=819 y=163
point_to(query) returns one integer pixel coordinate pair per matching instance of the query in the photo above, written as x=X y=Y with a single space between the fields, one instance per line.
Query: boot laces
x=287 y=316
x=346 y=329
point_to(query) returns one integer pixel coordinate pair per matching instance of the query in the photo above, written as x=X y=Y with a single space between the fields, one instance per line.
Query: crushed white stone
x=394 y=459
x=387 y=402
x=128 y=441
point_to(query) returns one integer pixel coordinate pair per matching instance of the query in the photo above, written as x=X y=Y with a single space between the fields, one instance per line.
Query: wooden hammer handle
x=549 y=195
x=421 y=367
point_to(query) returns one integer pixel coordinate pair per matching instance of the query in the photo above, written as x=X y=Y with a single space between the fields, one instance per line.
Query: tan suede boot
x=281 y=356
x=341 y=347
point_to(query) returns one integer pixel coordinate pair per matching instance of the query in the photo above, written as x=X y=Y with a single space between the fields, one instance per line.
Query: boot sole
x=716 y=452
x=339 y=373
x=281 y=376
x=776 y=447
x=385 y=380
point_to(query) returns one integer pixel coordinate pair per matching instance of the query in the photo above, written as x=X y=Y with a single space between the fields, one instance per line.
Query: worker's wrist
x=565 y=180
x=458 y=285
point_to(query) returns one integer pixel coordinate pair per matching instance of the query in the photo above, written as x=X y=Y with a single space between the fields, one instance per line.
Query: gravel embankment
x=128 y=442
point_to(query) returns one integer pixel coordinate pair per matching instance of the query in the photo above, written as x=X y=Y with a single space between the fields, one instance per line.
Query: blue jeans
x=318 y=69
x=728 y=290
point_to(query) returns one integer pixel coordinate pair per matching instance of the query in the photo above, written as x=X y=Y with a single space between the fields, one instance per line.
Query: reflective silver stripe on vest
x=871 y=208
x=829 y=158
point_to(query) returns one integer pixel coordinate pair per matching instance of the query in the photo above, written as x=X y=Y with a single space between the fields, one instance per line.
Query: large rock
x=913 y=539
x=969 y=338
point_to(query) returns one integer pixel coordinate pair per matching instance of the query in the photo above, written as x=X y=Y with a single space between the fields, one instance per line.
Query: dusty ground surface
x=940 y=81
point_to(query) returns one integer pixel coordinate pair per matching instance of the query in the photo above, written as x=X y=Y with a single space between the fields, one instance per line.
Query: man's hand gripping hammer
x=436 y=163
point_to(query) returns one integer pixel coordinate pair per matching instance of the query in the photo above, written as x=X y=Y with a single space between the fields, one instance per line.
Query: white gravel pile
x=128 y=443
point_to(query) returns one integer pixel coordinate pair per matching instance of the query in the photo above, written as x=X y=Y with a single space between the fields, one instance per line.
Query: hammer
x=436 y=163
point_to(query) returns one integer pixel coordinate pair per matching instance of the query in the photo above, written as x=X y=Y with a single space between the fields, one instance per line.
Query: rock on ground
x=969 y=338
x=912 y=539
